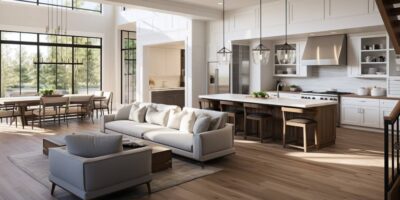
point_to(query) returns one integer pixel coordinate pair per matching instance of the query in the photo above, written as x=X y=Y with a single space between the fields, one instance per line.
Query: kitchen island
x=323 y=113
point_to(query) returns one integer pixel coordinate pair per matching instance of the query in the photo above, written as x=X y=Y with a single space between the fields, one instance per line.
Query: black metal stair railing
x=391 y=153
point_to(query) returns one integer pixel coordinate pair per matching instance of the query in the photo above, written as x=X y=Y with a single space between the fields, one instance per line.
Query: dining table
x=21 y=103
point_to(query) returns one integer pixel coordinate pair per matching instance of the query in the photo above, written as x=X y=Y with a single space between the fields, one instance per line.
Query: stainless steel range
x=325 y=96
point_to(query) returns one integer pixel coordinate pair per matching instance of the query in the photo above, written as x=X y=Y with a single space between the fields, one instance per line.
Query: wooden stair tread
x=389 y=10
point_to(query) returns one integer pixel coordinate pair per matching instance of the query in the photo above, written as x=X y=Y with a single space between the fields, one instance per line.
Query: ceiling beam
x=193 y=11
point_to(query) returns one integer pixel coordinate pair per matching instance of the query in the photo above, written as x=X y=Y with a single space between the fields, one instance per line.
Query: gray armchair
x=89 y=178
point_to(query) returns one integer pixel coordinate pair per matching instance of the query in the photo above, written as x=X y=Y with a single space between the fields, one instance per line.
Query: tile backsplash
x=332 y=77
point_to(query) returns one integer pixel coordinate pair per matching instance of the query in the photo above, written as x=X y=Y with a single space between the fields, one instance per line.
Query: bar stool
x=234 y=111
x=206 y=104
x=308 y=126
x=257 y=113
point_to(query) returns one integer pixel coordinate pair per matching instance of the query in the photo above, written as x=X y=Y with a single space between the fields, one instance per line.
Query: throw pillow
x=137 y=113
x=123 y=113
x=201 y=124
x=187 y=122
x=174 y=119
x=89 y=146
x=153 y=116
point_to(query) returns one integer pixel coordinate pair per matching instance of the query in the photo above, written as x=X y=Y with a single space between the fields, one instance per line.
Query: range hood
x=326 y=51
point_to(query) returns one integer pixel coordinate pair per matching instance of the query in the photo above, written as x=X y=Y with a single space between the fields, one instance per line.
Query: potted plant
x=293 y=88
x=262 y=94
x=254 y=94
x=48 y=93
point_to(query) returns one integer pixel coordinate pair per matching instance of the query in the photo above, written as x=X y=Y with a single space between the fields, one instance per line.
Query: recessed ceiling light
x=220 y=3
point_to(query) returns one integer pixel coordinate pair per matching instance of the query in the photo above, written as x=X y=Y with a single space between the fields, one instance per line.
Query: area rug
x=36 y=165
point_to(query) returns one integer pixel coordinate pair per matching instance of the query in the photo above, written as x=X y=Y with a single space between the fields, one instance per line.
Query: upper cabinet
x=290 y=65
x=299 y=11
x=345 y=8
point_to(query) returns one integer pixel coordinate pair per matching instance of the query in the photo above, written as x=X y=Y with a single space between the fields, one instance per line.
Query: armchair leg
x=148 y=188
x=53 y=187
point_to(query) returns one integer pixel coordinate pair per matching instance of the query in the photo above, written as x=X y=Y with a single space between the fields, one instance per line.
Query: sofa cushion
x=171 y=137
x=187 y=122
x=174 y=119
x=202 y=124
x=131 y=128
x=218 y=119
x=137 y=113
x=123 y=113
x=155 y=116
x=89 y=146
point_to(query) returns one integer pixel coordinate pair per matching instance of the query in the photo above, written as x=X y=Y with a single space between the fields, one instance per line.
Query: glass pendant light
x=261 y=52
x=288 y=49
x=224 y=55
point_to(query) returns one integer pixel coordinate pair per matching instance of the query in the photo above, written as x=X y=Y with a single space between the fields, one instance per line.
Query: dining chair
x=10 y=113
x=206 y=104
x=297 y=118
x=104 y=104
x=51 y=107
x=81 y=106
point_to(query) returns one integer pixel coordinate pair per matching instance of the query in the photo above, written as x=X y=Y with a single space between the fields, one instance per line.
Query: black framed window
x=30 y=62
x=128 y=66
x=71 y=4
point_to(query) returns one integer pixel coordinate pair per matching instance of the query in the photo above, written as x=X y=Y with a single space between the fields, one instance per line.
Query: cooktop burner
x=325 y=92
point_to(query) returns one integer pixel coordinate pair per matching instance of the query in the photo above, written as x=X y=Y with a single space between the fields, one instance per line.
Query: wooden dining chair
x=51 y=107
x=297 y=118
x=10 y=113
x=258 y=113
x=104 y=104
x=235 y=112
x=81 y=107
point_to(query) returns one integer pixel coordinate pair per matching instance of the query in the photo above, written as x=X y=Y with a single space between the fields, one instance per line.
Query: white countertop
x=166 y=89
x=298 y=103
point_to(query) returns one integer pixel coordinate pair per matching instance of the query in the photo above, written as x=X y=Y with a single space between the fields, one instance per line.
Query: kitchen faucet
x=277 y=89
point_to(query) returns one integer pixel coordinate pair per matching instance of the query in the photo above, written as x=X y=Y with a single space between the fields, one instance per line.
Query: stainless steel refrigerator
x=218 y=78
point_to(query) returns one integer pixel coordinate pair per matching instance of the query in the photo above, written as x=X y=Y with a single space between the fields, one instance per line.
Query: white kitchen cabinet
x=369 y=117
x=345 y=8
x=299 y=11
x=365 y=112
x=299 y=69
x=360 y=112
x=350 y=114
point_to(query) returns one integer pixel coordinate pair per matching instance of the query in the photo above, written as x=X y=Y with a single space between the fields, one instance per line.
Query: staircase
x=390 y=12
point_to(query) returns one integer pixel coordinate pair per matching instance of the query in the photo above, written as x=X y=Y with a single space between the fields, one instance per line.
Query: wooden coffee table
x=161 y=156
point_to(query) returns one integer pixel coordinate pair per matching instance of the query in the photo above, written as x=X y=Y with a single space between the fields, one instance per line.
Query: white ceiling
x=229 y=4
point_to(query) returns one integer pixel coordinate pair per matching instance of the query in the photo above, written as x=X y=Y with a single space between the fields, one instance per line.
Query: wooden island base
x=322 y=112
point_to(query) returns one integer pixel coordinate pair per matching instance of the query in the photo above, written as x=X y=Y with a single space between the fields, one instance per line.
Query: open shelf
x=372 y=76
x=374 y=63
x=374 y=50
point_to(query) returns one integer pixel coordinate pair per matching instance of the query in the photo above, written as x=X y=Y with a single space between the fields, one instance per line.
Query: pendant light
x=224 y=54
x=261 y=53
x=287 y=48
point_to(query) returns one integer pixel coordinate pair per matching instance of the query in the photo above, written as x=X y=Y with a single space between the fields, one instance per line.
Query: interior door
x=218 y=78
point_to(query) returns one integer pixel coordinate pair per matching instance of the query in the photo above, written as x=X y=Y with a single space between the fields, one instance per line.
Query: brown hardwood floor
x=351 y=169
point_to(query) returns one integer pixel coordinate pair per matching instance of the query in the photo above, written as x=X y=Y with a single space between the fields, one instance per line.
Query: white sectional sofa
x=216 y=141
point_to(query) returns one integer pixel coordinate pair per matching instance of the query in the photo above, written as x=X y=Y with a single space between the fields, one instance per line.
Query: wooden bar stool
x=308 y=126
x=257 y=113
x=206 y=104
x=234 y=110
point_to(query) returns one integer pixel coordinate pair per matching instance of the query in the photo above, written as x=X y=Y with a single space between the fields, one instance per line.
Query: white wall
x=31 y=18
x=154 y=28
x=165 y=66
